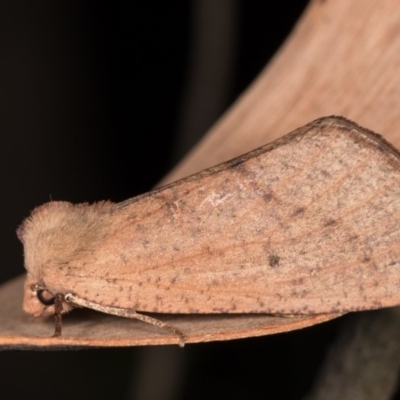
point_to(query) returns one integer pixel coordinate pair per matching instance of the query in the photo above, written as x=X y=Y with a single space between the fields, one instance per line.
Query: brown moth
x=308 y=224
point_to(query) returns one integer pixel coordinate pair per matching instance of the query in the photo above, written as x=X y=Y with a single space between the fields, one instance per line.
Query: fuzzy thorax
x=54 y=235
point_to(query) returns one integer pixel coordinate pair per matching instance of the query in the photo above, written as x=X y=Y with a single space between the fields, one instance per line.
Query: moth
x=308 y=224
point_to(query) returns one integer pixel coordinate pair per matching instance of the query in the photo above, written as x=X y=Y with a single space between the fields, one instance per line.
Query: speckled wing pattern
x=308 y=224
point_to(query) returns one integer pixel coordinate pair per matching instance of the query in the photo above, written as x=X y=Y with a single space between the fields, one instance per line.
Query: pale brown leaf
x=89 y=328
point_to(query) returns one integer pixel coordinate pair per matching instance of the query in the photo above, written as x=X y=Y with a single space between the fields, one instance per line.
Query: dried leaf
x=86 y=328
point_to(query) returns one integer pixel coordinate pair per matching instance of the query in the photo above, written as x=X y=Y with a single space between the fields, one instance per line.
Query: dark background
x=92 y=96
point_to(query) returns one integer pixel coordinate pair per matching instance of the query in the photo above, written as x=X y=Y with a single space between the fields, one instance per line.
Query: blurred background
x=98 y=101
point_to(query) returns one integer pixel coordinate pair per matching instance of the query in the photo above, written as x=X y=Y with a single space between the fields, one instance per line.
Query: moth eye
x=45 y=297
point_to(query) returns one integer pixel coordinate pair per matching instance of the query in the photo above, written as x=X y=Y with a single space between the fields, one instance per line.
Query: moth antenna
x=127 y=313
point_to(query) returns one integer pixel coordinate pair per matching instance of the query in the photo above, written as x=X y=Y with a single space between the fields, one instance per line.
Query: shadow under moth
x=308 y=224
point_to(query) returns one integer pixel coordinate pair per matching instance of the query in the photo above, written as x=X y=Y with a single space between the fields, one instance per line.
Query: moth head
x=52 y=236
x=39 y=301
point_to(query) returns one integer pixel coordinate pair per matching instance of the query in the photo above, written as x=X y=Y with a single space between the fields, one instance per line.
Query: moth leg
x=58 y=308
x=126 y=313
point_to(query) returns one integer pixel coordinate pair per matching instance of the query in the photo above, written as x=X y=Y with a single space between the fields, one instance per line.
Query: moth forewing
x=308 y=224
